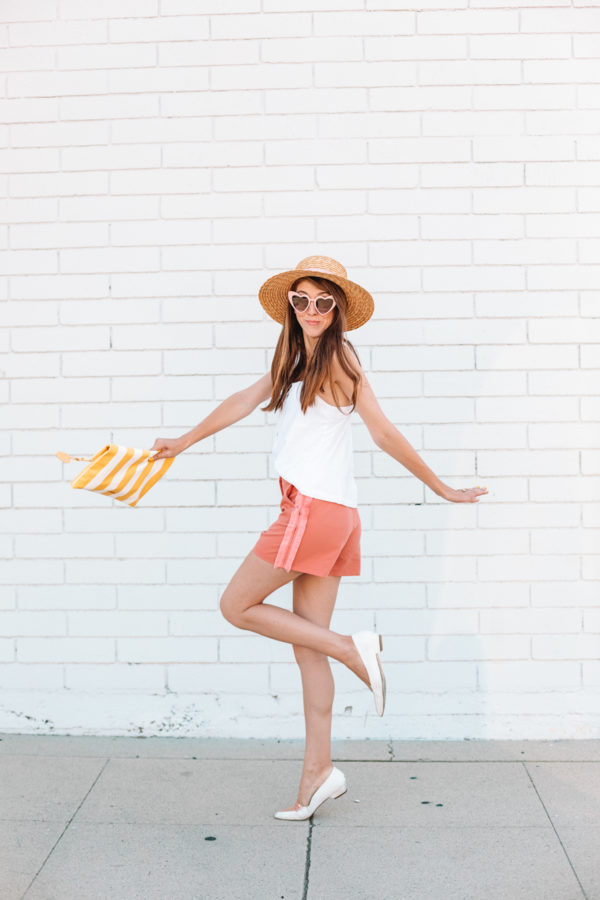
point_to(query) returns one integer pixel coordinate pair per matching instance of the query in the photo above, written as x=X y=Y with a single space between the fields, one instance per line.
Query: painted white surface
x=160 y=160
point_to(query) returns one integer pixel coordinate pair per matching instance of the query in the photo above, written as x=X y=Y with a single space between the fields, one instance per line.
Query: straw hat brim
x=273 y=296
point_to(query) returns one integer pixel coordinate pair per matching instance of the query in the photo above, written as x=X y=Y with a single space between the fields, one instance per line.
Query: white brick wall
x=160 y=159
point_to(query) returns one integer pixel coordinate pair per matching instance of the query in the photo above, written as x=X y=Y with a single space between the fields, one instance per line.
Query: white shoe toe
x=368 y=644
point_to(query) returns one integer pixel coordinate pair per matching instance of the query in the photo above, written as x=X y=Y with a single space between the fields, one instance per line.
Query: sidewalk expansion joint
x=67 y=825
x=564 y=849
x=307 y=860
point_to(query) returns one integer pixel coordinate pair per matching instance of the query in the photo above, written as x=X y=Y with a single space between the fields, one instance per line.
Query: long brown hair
x=290 y=360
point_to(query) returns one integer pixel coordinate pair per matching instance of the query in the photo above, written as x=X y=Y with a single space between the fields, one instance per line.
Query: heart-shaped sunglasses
x=300 y=302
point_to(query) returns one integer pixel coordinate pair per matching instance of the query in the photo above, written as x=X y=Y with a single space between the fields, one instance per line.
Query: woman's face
x=312 y=323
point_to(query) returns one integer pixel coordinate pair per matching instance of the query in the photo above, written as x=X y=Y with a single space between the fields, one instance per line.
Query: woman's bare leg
x=314 y=599
x=242 y=604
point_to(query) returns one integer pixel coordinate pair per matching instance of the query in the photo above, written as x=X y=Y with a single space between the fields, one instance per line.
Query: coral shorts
x=313 y=536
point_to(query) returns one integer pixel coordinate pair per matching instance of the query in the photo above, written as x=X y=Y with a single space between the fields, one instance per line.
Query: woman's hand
x=167 y=447
x=464 y=495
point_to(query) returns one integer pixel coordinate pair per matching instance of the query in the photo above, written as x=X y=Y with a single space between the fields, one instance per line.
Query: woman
x=317 y=381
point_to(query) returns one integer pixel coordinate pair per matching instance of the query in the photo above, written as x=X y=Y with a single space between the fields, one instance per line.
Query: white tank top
x=313 y=450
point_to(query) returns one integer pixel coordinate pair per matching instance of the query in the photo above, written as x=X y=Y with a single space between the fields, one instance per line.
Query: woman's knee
x=234 y=610
x=231 y=610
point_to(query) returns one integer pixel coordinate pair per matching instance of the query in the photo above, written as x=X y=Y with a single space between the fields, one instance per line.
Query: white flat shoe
x=368 y=644
x=333 y=786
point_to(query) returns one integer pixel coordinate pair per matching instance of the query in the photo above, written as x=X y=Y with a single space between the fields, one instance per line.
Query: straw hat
x=273 y=294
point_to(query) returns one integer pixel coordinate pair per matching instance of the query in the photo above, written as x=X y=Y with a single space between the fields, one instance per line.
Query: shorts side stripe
x=293 y=532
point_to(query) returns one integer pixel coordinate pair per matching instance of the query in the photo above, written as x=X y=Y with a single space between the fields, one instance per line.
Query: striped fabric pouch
x=124 y=473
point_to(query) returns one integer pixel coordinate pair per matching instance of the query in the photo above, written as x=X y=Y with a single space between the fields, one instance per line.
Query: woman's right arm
x=235 y=407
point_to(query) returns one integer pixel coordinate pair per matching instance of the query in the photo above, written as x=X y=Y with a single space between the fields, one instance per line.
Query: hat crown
x=324 y=264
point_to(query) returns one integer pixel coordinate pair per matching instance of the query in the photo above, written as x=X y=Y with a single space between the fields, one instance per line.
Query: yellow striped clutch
x=120 y=472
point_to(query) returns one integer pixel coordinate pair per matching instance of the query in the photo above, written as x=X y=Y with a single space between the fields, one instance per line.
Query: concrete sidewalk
x=161 y=818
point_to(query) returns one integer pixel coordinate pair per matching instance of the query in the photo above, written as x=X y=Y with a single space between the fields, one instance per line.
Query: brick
x=116 y=623
x=110 y=259
x=31 y=677
x=173 y=546
x=537 y=675
x=59 y=287
x=570 y=646
x=29 y=415
x=113 y=9
x=52 y=133
x=55 y=84
x=112 y=363
x=17 y=521
x=63 y=546
x=169 y=597
x=285 y=75
x=530 y=568
x=131 y=81
x=526 y=357
x=58 y=184
x=316 y=101
x=160 y=232
x=19 y=622
x=106 y=56
x=526 y=409
x=66 y=649
x=179 y=387
x=211 y=52
x=529 y=621
x=523 y=462
x=586 y=489
x=427 y=621
x=370 y=74
x=161 y=284
x=104 y=107
x=167 y=649
x=220 y=678
x=478 y=647
x=63 y=596
x=264 y=179
x=167 y=27
x=21 y=312
x=260 y=26
x=472 y=21
x=57 y=32
x=115 y=677
x=109 y=571
x=141 y=156
x=61 y=338
x=134 y=337
x=217 y=103
x=290 y=5
x=29 y=210
x=30 y=468
x=76 y=209
x=181 y=7
x=363 y=23
x=109 y=312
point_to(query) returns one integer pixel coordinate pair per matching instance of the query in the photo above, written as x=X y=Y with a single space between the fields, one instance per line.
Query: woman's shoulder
x=340 y=373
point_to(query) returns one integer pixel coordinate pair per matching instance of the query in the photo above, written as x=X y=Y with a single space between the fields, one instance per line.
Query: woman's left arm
x=391 y=441
x=395 y=444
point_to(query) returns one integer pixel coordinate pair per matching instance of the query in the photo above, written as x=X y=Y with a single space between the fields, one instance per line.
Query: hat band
x=326 y=271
